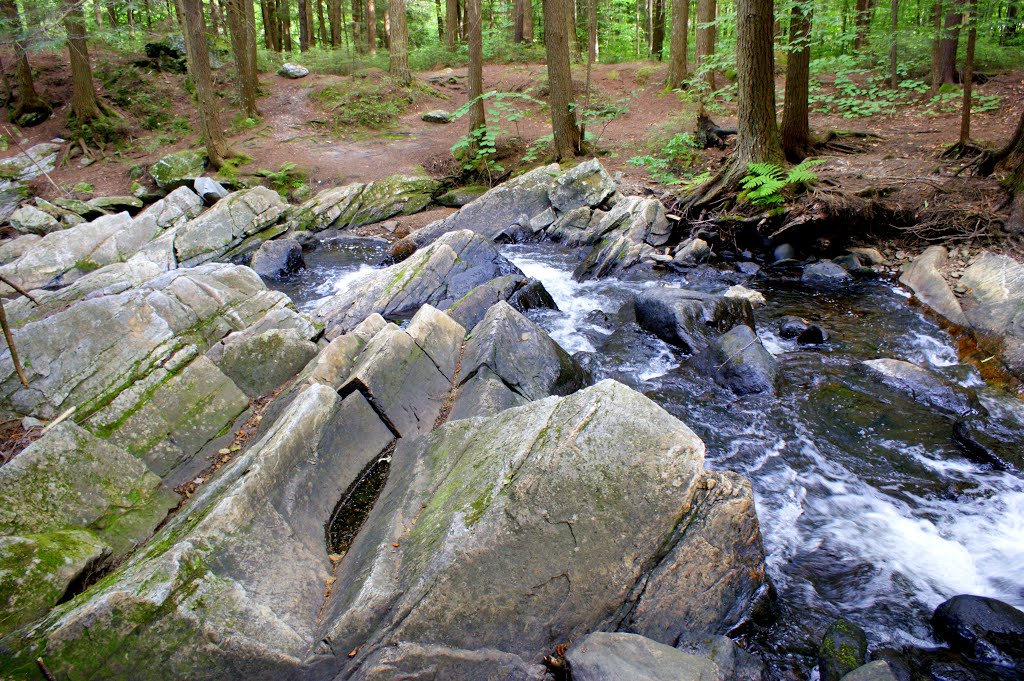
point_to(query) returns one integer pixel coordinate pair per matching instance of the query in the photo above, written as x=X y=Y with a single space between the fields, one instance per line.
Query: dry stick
x=63 y=417
x=18 y=288
x=46 y=672
x=10 y=344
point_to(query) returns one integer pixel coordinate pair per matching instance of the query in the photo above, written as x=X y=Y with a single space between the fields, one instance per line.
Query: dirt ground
x=903 y=158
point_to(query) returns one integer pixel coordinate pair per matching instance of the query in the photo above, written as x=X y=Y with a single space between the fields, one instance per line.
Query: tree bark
x=199 y=72
x=757 y=130
x=560 y=99
x=948 y=47
x=517 y=21
x=677 y=44
x=357 y=26
x=658 y=26
x=284 y=10
x=570 y=29
x=936 y=45
x=474 y=40
x=593 y=49
x=970 y=20
x=894 y=24
x=371 y=26
x=528 y=21
x=334 y=14
x=706 y=10
x=242 y=23
x=30 y=108
x=862 y=22
x=84 y=104
x=796 y=131
x=305 y=30
x=399 y=64
x=439 y=13
x=451 y=24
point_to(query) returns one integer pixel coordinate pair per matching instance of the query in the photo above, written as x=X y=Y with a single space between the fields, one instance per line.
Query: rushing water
x=868 y=509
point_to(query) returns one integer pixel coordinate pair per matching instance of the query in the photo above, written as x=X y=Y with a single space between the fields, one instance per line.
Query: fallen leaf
x=355 y=651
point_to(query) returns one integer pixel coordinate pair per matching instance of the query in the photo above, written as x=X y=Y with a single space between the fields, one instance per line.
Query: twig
x=46 y=672
x=14 y=139
x=10 y=344
x=756 y=339
x=18 y=289
x=63 y=417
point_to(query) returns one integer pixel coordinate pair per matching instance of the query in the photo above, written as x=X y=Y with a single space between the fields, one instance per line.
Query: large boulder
x=521 y=293
x=72 y=504
x=615 y=657
x=994 y=305
x=261 y=363
x=825 y=273
x=739 y=361
x=239 y=220
x=178 y=169
x=587 y=184
x=278 y=258
x=293 y=71
x=20 y=168
x=984 y=629
x=354 y=205
x=31 y=220
x=622 y=237
x=924 y=277
x=923 y=386
x=439 y=275
x=689 y=319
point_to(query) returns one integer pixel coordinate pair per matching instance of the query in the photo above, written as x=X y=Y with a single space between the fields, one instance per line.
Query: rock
x=80 y=208
x=983 y=629
x=994 y=305
x=209 y=190
x=20 y=168
x=521 y=293
x=735 y=663
x=622 y=237
x=278 y=259
x=438 y=275
x=461 y=196
x=233 y=221
x=116 y=204
x=521 y=354
x=292 y=71
x=783 y=252
x=67 y=218
x=178 y=169
x=13 y=249
x=307 y=240
x=168 y=54
x=871 y=256
x=792 y=327
x=923 y=276
x=31 y=220
x=587 y=184
x=689 y=319
x=261 y=363
x=354 y=205
x=437 y=116
x=737 y=360
x=615 y=657
x=72 y=503
x=879 y=670
x=844 y=647
x=755 y=298
x=923 y=386
x=812 y=335
x=849 y=262
x=824 y=273
x=748 y=268
x=693 y=251
x=981 y=444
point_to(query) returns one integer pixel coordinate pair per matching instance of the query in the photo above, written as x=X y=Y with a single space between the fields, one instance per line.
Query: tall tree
x=334 y=14
x=948 y=45
x=528 y=21
x=518 y=10
x=971 y=21
x=84 y=103
x=796 y=131
x=1011 y=159
x=439 y=13
x=757 y=138
x=862 y=22
x=242 y=24
x=677 y=44
x=305 y=26
x=199 y=71
x=475 y=42
x=399 y=58
x=29 y=108
x=894 y=25
x=371 y=26
x=560 y=98
x=706 y=29
x=658 y=26
x=451 y=24
x=593 y=49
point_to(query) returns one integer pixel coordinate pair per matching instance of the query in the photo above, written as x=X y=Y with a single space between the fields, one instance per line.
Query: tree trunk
x=1010 y=22
x=399 y=65
x=214 y=17
x=677 y=44
x=757 y=130
x=112 y=13
x=304 y=27
x=948 y=47
x=84 y=104
x=357 y=26
x=439 y=13
x=796 y=131
x=30 y=109
x=97 y=11
x=894 y=24
x=242 y=23
x=936 y=45
x=658 y=26
x=528 y=20
x=570 y=29
x=706 y=10
x=862 y=22
x=334 y=13
x=371 y=26
x=475 y=42
x=560 y=100
x=1013 y=161
x=451 y=24
x=271 y=38
x=517 y=21
x=321 y=22
x=970 y=20
x=199 y=72
x=285 y=12
x=593 y=49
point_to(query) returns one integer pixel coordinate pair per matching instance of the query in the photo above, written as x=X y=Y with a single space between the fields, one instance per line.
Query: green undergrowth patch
x=365 y=103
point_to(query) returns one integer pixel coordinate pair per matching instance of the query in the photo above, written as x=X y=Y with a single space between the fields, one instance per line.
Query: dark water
x=868 y=509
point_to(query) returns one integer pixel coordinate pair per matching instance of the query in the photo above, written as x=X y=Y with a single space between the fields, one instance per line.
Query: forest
x=568 y=340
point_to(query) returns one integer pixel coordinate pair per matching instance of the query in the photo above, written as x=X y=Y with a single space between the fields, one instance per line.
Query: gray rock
x=735 y=663
x=438 y=275
x=484 y=394
x=879 y=670
x=209 y=190
x=178 y=169
x=259 y=364
x=278 y=259
x=412 y=660
x=461 y=196
x=689 y=319
x=13 y=249
x=292 y=71
x=588 y=184
x=116 y=204
x=354 y=205
x=437 y=116
x=783 y=252
x=994 y=305
x=984 y=629
x=522 y=293
x=824 y=273
x=35 y=161
x=871 y=256
x=31 y=220
x=616 y=657
x=440 y=337
x=693 y=251
x=923 y=386
x=755 y=298
x=844 y=647
x=737 y=360
x=80 y=208
x=923 y=276
x=792 y=327
x=622 y=237
x=241 y=216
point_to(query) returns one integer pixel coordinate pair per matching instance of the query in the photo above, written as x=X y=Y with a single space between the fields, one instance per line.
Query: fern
x=765 y=183
x=802 y=174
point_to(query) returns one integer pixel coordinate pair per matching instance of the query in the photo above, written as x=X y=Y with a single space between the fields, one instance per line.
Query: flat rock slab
x=924 y=277
x=226 y=225
x=617 y=657
x=354 y=205
x=178 y=169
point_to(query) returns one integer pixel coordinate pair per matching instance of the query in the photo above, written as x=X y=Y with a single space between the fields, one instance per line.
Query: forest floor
x=902 y=163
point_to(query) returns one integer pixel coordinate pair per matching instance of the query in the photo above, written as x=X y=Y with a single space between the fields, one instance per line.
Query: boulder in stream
x=689 y=319
x=616 y=657
x=278 y=258
x=739 y=361
x=924 y=386
x=994 y=305
x=924 y=277
x=844 y=647
x=984 y=629
x=354 y=205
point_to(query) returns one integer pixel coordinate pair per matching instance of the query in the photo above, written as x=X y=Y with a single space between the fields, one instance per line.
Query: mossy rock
x=178 y=169
x=843 y=648
x=460 y=196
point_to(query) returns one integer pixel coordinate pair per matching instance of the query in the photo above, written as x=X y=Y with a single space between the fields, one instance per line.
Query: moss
x=86 y=265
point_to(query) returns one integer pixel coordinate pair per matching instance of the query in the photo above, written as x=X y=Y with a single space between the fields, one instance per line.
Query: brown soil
x=903 y=162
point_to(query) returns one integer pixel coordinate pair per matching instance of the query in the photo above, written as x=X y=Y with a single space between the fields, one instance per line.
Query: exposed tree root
x=846 y=141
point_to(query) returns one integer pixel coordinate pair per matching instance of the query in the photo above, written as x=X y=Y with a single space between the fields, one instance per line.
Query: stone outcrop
x=994 y=305
x=362 y=204
x=239 y=220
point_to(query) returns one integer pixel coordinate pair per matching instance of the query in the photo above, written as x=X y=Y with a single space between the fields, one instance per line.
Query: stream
x=868 y=509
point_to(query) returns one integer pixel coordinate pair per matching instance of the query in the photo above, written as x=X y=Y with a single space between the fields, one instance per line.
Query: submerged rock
x=689 y=319
x=984 y=629
x=825 y=273
x=924 y=386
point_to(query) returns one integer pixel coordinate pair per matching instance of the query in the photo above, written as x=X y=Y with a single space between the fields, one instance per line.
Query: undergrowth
x=366 y=103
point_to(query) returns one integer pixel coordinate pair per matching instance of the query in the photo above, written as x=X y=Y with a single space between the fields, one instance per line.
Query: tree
x=971 y=20
x=894 y=24
x=1011 y=159
x=30 y=108
x=560 y=98
x=946 y=69
x=334 y=14
x=677 y=44
x=475 y=42
x=451 y=24
x=371 y=26
x=242 y=23
x=518 y=11
x=658 y=26
x=706 y=10
x=399 y=56
x=199 y=71
x=757 y=138
x=305 y=26
x=84 y=104
x=796 y=131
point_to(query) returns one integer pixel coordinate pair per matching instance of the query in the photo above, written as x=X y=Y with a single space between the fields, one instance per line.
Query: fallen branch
x=10 y=345
x=18 y=289
x=60 y=419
